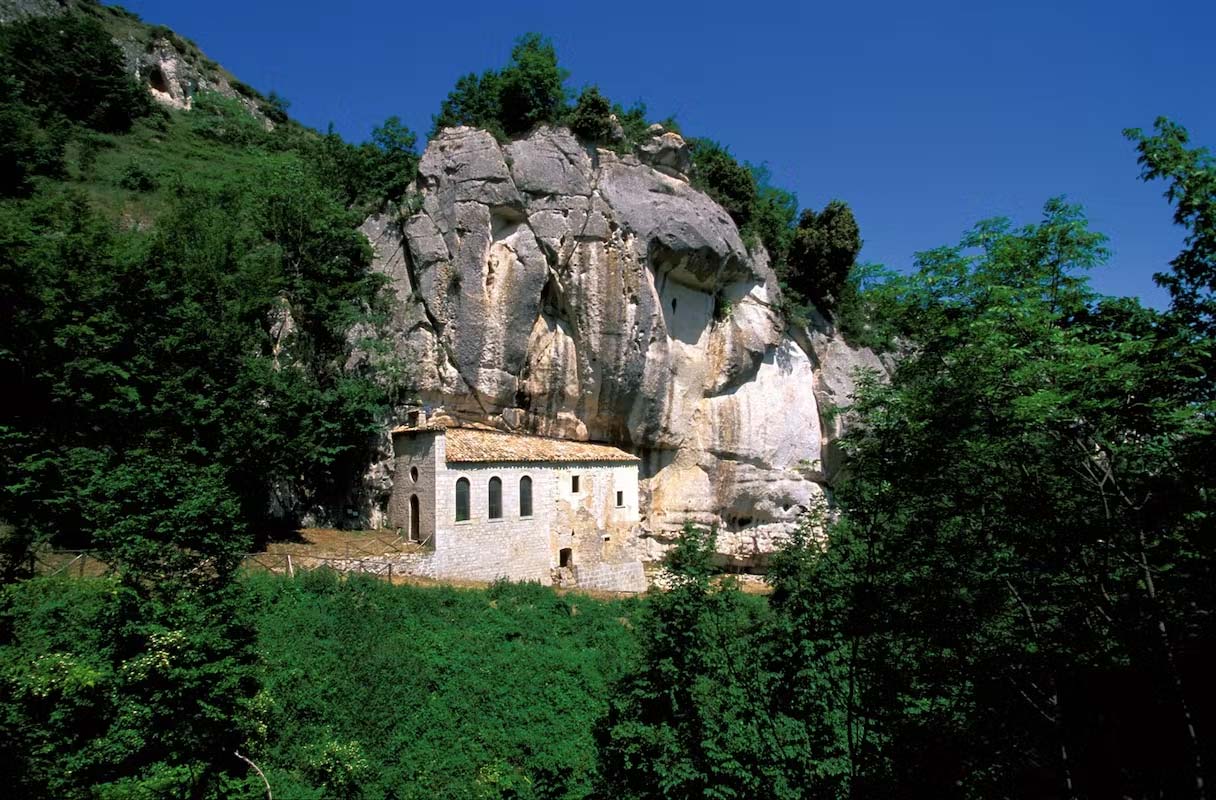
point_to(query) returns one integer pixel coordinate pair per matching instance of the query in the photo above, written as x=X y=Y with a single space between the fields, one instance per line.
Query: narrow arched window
x=495 y=499
x=525 y=496
x=462 y=499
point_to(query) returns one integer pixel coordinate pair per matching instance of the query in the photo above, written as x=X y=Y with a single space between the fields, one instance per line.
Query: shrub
x=716 y=172
x=225 y=120
x=591 y=119
x=138 y=179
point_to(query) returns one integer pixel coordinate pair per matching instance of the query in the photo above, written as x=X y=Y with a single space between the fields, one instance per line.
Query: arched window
x=415 y=534
x=525 y=496
x=462 y=499
x=495 y=499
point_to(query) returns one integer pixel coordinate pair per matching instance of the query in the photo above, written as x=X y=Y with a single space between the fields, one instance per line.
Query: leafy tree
x=532 y=88
x=474 y=101
x=591 y=118
x=1016 y=530
x=718 y=174
x=822 y=251
x=67 y=65
x=1191 y=173
x=692 y=720
x=528 y=91
x=395 y=159
x=28 y=146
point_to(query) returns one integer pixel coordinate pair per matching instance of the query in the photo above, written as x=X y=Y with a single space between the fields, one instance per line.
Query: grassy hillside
x=367 y=688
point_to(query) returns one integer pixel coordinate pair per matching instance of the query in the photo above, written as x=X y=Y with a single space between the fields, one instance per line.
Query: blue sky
x=925 y=117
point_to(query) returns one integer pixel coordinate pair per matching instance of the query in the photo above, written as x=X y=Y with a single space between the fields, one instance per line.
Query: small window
x=620 y=499
x=525 y=496
x=565 y=557
x=414 y=474
x=495 y=499
x=462 y=499
x=574 y=483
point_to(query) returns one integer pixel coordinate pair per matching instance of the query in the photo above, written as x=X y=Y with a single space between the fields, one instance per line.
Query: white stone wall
x=481 y=548
x=589 y=522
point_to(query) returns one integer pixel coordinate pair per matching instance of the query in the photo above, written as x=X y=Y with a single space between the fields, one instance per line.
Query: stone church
x=527 y=508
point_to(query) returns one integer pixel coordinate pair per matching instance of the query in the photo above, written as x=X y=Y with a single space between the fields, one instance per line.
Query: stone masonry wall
x=627 y=577
x=484 y=549
x=420 y=451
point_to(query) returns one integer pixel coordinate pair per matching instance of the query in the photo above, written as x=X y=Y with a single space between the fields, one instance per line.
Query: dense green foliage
x=178 y=295
x=1023 y=556
x=56 y=74
x=99 y=701
x=1191 y=174
x=366 y=688
x=1020 y=553
x=821 y=254
x=734 y=696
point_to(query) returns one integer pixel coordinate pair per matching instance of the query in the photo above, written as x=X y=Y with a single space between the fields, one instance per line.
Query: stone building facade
x=532 y=508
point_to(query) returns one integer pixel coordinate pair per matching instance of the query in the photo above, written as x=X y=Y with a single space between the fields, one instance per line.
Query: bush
x=225 y=120
x=591 y=119
x=138 y=179
x=716 y=172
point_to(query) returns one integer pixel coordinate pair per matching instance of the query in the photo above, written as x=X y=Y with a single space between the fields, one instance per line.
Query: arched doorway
x=415 y=535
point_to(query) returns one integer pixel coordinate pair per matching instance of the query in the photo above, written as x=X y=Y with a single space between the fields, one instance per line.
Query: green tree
x=692 y=721
x=68 y=66
x=528 y=91
x=822 y=251
x=532 y=88
x=394 y=158
x=591 y=119
x=1021 y=519
x=716 y=172
x=1191 y=174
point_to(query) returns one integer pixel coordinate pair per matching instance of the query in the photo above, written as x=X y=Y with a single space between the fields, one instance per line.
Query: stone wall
x=484 y=549
x=627 y=577
x=422 y=452
x=589 y=521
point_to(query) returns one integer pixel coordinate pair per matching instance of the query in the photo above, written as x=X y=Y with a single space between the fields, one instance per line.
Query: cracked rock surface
x=552 y=288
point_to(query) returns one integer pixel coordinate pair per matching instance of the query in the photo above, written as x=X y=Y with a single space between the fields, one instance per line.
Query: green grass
x=168 y=147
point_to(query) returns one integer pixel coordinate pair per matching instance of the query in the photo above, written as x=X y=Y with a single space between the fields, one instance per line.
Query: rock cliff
x=553 y=288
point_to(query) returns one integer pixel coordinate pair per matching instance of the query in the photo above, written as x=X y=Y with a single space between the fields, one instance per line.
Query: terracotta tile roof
x=474 y=444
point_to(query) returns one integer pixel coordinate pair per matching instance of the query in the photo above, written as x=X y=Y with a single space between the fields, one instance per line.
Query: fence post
x=390 y=573
x=291 y=573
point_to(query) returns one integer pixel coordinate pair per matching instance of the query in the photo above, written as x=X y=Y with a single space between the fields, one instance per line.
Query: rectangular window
x=574 y=483
x=620 y=499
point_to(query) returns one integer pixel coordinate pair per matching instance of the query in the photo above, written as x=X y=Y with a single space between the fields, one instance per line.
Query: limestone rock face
x=551 y=288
